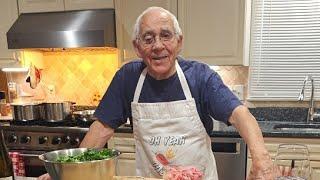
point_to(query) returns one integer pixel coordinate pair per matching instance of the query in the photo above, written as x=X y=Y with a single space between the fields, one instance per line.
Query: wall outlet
x=238 y=90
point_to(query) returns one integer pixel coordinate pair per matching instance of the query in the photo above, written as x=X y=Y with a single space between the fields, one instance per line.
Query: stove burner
x=64 y=123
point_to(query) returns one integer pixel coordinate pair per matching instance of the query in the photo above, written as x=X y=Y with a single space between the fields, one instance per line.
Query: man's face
x=157 y=44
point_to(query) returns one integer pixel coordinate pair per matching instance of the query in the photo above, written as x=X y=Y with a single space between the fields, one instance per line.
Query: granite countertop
x=267 y=128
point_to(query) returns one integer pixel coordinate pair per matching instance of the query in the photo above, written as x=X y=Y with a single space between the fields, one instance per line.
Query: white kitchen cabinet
x=313 y=146
x=126 y=13
x=125 y=143
x=8 y=14
x=30 y=6
x=213 y=30
x=87 y=4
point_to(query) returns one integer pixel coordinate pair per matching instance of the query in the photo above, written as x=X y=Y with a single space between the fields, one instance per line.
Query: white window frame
x=269 y=82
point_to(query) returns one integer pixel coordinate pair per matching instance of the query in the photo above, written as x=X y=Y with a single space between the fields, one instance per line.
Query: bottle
x=3 y=104
x=6 y=169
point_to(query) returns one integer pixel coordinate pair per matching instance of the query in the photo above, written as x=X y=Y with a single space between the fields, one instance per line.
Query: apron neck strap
x=181 y=77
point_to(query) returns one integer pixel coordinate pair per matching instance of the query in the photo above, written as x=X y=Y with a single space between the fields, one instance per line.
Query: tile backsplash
x=81 y=76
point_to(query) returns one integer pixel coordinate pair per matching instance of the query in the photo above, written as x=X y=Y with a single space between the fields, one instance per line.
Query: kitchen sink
x=298 y=127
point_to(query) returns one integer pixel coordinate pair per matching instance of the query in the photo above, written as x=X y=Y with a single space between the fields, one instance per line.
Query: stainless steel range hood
x=70 y=29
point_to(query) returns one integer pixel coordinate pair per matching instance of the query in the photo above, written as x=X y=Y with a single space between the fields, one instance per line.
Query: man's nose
x=158 y=44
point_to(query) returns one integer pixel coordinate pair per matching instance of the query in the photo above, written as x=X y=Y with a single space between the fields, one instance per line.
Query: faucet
x=311 y=111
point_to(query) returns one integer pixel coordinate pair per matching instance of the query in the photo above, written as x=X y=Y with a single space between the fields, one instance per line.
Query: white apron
x=170 y=133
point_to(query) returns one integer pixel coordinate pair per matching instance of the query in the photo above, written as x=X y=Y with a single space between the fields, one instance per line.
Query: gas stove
x=31 y=138
x=41 y=135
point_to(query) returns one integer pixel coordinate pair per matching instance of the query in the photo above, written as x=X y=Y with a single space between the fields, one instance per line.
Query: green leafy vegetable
x=89 y=155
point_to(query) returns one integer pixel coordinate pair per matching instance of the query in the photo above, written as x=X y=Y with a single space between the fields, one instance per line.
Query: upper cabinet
x=87 y=4
x=29 y=6
x=213 y=30
x=126 y=13
x=8 y=14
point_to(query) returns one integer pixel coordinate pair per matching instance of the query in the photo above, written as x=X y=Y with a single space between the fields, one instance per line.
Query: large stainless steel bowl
x=95 y=170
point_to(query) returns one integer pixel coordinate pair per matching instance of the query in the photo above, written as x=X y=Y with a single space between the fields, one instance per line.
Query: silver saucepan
x=25 y=111
x=56 y=111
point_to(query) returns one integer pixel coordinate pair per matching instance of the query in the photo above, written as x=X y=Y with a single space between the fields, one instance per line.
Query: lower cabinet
x=313 y=147
x=124 y=142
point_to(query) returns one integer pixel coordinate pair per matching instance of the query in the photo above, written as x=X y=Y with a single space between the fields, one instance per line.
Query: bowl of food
x=81 y=163
x=179 y=172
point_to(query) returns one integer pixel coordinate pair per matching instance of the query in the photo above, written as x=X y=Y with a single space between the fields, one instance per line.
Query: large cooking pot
x=55 y=111
x=25 y=111
x=97 y=169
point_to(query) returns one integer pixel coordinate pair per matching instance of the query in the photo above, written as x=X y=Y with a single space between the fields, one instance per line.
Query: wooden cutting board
x=132 y=178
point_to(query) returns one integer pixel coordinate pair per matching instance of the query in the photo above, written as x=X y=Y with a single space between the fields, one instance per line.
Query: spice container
x=3 y=104
x=12 y=89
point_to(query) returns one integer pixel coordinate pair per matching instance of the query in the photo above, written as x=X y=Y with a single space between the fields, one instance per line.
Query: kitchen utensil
x=293 y=162
x=34 y=76
x=56 y=111
x=25 y=111
x=84 y=116
x=97 y=169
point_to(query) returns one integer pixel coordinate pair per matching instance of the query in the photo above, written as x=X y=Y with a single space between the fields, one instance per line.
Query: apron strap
x=183 y=81
x=139 y=85
x=181 y=77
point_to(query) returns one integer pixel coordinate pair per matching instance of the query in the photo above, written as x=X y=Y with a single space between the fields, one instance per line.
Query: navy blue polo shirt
x=212 y=97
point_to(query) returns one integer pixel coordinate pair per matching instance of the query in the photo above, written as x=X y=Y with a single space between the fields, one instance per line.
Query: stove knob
x=25 y=139
x=75 y=141
x=56 y=140
x=43 y=139
x=12 y=139
x=65 y=139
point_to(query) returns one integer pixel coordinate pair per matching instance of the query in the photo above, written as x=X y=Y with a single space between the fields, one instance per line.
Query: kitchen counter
x=267 y=128
x=114 y=178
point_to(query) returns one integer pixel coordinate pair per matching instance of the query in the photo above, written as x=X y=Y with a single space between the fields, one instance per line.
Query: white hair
x=136 y=28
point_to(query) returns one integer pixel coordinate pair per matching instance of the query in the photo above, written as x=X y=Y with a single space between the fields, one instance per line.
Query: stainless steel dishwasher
x=230 y=155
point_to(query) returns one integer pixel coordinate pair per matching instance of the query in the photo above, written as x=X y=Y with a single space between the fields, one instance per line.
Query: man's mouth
x=159 y=57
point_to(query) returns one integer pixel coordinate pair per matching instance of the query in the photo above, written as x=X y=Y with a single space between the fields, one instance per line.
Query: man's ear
x=136 y=48
x=180 y=42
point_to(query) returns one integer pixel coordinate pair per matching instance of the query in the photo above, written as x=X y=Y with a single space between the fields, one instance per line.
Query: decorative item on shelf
x=34 y=76
x=96 y=99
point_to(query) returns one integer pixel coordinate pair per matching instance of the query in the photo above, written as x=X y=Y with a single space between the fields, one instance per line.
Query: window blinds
x=284 y=48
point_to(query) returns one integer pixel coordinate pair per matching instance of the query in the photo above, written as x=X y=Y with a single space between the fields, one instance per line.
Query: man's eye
x=166 y=36
x=148 y=39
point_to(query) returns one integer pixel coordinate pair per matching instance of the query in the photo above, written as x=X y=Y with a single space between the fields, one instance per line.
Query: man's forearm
x=249 y=130
x=97 y=136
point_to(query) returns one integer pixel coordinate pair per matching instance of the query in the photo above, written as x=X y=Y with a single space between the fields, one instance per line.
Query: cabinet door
x=315 y=170
x=29 y=6
x=8 y=14
x=213 y=30
x=127 y=12
x=126 y=165
x=87 y=4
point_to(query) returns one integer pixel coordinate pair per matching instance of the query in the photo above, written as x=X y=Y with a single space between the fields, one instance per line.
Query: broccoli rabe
x=89 y=155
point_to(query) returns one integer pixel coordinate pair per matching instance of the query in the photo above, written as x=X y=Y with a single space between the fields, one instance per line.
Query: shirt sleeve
x=221 y=101
x=111 y=109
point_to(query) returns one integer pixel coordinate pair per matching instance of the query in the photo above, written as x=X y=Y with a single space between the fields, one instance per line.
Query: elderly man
x=171 y=102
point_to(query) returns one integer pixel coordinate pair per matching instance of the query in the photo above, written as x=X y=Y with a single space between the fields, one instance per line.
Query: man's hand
x=263 y=169
x=247 y=126
x=44 y=177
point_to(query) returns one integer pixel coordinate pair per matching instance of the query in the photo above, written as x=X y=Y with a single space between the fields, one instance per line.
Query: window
x=284 y=48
